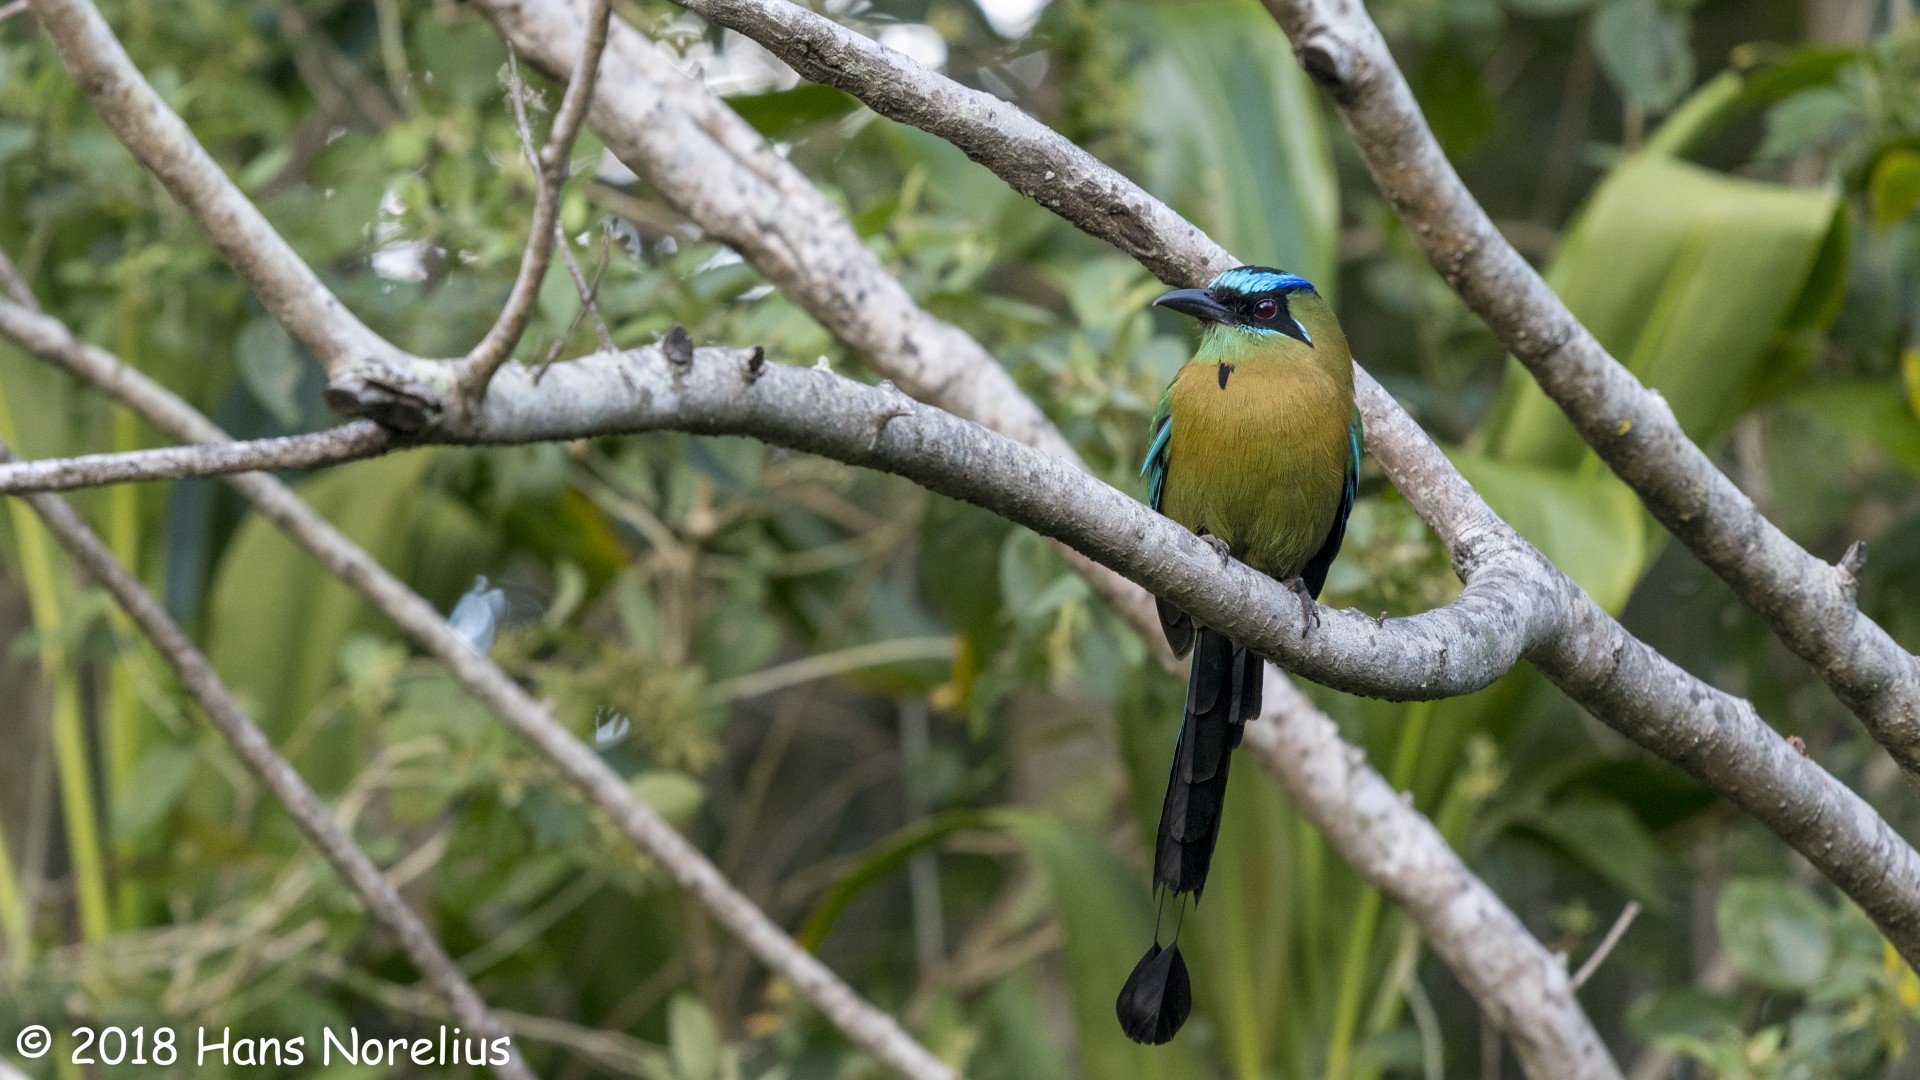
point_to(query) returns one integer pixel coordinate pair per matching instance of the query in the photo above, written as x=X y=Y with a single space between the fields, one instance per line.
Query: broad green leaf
x=156 y=785
x=1454 y=97
x=1232 y=138
x=1895 y=185
x=270 y=366
x=277 y=618
x=1682 y=1010
x=1870 y=409
x=1686 y=276
x=1589 y=523
x=1548 y=9
x=1606 y=836
x=1803 y=119
x=885 y=858
x=693 y=1038
x=1776 y=934
x=675 y=795
x=1643 y=47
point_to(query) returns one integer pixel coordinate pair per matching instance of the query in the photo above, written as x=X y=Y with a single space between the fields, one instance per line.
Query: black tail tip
x=1157 y=998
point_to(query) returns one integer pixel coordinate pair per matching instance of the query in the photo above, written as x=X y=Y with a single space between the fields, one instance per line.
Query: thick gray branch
x=1808 y=602
x=197 y=676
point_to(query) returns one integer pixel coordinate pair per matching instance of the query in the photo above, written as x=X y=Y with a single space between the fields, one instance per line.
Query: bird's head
x=1256 y=300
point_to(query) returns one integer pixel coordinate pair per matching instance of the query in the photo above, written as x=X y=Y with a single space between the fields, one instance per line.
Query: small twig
x=1619 y=930
x=197 y=677
x=10 y=276
x=550 y=174
x=589 y=290
x=348 y=442
x=827 y=665
x=1433 y=1048
x=10 y=10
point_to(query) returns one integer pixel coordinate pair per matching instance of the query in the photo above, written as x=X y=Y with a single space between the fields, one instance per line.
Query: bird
x=1256 y=448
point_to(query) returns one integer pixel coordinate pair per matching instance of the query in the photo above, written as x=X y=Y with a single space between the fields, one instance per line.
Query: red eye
x=1265 y=309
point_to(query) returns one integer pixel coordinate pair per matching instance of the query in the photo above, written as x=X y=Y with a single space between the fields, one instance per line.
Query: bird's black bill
x=1198 y=303
x=1157 y=998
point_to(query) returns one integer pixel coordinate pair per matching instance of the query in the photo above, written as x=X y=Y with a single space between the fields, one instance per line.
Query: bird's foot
x=1219 y=547
x=1309 y=611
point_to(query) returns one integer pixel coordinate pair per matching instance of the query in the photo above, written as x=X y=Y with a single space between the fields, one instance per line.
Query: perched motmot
x=1256 y=447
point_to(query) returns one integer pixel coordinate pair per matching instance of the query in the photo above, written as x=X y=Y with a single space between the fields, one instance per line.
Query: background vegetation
x=901 y=725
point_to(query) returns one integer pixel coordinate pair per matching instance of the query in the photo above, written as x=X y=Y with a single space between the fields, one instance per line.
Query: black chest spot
x=1226 y=370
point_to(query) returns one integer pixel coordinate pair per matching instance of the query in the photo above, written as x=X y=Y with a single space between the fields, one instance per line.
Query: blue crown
x=1248 y=280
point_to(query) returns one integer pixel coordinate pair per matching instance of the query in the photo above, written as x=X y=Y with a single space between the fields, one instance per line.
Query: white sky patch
x=612 y=170
x=739 y=66
x=723 y=258
x=405 y=261
x=922 y=43
x=1011 y=19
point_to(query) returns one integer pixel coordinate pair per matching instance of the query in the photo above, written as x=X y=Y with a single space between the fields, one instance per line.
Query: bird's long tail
x=1223 y=693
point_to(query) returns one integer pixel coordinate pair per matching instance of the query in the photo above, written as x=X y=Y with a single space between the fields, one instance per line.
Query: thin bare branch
x=348 y=442
x=197 y=676
x=1808 y=602
x=10 y=278
x=8 y=11
x=589 y=290
x=1614 y=933
x=550 y=175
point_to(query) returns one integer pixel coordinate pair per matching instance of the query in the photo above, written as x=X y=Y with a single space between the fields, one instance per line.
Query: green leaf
x=693 y=1039
x=1548 y=9
x=1233 y=140
x=156 y=785
x=1589 y=523
x=1683 y=1010
x=270 y=367
x=1605 y=836
x=675 y=795
x=1643 y=47
x=884 y=859
x=1454 y=97
x=1776 y=934
x=1868 y=409
x=278 y=620
x=1802 y=120
x=1895 y=185
x=1687 y=276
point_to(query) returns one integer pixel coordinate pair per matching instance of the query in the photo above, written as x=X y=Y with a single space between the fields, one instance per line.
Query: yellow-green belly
x=1261 y=462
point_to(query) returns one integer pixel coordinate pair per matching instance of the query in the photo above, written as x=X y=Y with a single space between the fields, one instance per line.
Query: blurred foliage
x=1724 y=190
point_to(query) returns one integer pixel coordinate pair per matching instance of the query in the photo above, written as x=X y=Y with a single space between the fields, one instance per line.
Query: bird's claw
x=1309 y=611
x=1219 y=547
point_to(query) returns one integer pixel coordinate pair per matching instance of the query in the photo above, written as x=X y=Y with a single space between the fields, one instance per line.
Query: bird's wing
x=1315 y=573
x=1155 y=467
x=1173 y=622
